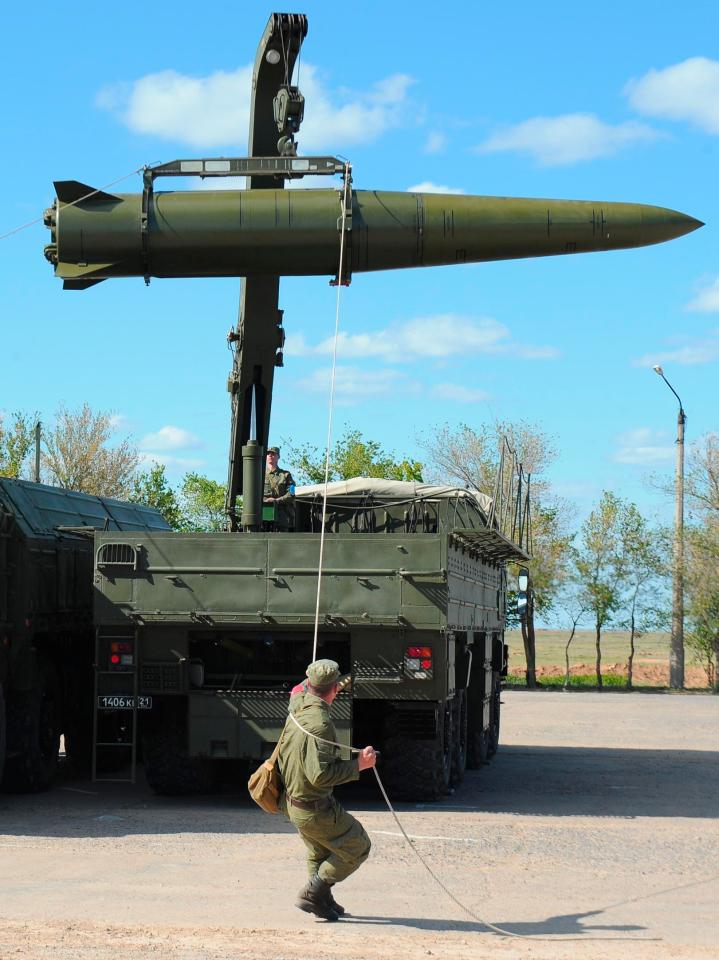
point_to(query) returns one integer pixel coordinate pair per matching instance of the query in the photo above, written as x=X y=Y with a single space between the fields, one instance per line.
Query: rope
x=31 y=223
x=347 y=182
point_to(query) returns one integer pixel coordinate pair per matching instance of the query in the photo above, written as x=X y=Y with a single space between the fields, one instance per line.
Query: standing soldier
x=279 y=491
x=336 y=842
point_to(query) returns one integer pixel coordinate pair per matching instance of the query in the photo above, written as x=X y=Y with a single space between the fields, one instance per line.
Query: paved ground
x=594 y=834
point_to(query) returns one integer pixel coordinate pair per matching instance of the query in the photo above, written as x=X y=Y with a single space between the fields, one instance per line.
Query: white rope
x=347 y=184
x=31 y=223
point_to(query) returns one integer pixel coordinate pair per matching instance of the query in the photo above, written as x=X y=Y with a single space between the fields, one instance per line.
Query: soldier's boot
x=315 y=897
x=337 y=907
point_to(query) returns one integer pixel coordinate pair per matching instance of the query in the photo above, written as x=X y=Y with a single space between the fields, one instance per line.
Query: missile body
x=246 y=233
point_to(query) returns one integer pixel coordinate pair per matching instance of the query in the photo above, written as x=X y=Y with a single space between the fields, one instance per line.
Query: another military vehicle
x=46 y=631
x=204 y=634
x=221 y=628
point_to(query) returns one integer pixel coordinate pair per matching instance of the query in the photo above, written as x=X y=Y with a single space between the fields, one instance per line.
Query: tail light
x=418 y=662
x=122 y=654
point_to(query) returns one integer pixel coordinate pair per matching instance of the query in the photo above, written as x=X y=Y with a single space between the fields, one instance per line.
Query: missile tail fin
x=72 y=191
x=80 y=284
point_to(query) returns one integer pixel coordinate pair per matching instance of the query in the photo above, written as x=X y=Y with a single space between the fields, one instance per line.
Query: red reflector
x=426 y=664
x=419 y=652
x=121 y=647
x=115 y=658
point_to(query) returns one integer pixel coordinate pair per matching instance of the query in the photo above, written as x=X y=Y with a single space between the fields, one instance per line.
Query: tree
x=203 y=503
x=599 y=566
x=152 y=488
x=702 y=586
x=643 y=568
x=702 y=477
x=351 y=456
x=77 y=456
x=17 y=437
x=471 y=458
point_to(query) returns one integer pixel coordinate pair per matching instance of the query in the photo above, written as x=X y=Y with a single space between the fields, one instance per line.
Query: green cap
x=274 y=450
x=323 y=674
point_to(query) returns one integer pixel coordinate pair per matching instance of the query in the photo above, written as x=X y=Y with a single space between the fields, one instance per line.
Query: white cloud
x=435 y=142
x=458 y=393
x=691 y=354
x=643 y=446
x=435 y=337
x=569 y=138
x=118 y=421
x=427 y=186
x=170 y=438
x=707 y=300
x=214 y=110
x=685 y=91
x=352 y=385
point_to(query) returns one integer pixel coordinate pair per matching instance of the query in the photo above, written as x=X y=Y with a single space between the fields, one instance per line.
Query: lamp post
x=676 y=653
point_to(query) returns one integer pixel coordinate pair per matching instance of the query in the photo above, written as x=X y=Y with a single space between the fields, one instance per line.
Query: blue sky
x=613 y=102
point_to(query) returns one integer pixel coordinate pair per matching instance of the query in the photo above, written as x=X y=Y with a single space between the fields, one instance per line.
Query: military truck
x=46 y=631
x=218 y=627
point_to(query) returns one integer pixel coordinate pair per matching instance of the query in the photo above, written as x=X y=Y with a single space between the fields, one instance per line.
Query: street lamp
x=676 y=653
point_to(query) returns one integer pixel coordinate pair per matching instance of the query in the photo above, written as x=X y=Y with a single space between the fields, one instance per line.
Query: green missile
x=245 y=233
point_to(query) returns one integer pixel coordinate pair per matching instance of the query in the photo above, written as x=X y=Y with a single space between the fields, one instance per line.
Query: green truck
x=46 y=631
x=204 y=635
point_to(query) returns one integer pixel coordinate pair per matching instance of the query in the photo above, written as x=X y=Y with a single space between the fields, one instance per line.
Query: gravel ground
x=593 y=834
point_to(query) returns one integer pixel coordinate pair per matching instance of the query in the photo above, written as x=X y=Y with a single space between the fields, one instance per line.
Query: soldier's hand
x=367 y=758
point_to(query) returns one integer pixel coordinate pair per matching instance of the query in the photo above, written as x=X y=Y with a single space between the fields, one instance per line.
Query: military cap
x=323 y=674
x=274 y=450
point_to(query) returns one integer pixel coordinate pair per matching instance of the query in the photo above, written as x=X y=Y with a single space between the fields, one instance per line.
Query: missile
x=243 y=233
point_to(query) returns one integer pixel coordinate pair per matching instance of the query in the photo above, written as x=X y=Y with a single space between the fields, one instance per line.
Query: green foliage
x=203 y=503
x=583 y=680
x=152 y=488
x=17 y=438
x=598 y=559
x=702 y=595
x=351 y=456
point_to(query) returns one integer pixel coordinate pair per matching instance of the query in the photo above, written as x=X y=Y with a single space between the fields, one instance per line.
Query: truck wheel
x=417 y=769
x=494 y=716
x=168 y=768
x=459 y=725
x=477 y=738
x=34 y=720
x=2 y=732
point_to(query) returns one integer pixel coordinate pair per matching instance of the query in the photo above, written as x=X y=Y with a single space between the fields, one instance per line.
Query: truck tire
x=494 y=717
x=168 y=768
x=417 y=769
x=477 y=738
x=459 y=726
x=2 y=732
x=34 y=721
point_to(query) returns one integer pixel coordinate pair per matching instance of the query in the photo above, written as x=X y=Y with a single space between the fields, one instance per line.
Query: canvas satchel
x=265 y=783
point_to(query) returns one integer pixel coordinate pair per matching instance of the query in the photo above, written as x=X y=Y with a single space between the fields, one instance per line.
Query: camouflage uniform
x=336 y=842
x=279 y=484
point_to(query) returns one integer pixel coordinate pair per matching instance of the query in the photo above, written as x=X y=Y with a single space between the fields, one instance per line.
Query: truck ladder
x=124 y=687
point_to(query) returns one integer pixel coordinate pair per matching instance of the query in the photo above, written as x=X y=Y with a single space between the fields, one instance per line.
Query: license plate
x=123 y=703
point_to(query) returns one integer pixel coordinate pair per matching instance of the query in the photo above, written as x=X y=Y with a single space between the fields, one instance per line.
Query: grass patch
x=588 y=680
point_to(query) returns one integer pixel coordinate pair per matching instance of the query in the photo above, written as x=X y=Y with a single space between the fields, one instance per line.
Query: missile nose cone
x=661 y=223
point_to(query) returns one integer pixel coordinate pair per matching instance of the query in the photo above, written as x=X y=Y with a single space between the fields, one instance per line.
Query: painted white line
x=416 y=836
x=92 y=793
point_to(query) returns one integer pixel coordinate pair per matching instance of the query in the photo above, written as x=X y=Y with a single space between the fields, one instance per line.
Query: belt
x=322 y=804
